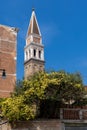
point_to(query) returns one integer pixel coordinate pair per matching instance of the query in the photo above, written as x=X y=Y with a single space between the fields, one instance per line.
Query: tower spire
x=34 y=49
x=33 y=32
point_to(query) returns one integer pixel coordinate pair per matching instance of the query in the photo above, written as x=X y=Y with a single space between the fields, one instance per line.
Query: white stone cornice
x=5 y=91
x=9 y=74
x=35 y=44
x=6 y=52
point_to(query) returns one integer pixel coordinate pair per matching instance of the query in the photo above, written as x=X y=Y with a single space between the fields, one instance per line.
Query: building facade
x=8 y=42
x=34 y=49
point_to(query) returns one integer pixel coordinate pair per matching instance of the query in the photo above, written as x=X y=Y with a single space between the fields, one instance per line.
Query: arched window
x=34 y=53
x=40 y=54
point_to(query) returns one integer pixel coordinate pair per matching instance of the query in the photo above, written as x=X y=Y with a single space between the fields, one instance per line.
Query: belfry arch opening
x=40 y=54
x=34 y=52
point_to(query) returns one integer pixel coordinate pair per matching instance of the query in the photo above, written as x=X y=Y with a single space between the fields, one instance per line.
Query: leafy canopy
x=57 y=86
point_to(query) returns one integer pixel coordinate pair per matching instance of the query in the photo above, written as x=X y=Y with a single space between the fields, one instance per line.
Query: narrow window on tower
x=40 y=54
x=34 y=53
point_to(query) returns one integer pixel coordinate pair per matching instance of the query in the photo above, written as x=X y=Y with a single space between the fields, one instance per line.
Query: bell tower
x=34 y=49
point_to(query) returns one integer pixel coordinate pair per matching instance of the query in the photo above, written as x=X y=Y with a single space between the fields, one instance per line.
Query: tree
x=16 y=108
x=69 y=87
x=54 y=86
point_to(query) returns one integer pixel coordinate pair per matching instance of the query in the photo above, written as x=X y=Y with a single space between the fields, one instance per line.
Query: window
x=41 y=68
x=40 y=54
x=29 y=66
x=34 y=53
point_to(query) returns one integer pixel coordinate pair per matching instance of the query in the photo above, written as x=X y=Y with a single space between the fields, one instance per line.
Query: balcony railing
x=73 y=114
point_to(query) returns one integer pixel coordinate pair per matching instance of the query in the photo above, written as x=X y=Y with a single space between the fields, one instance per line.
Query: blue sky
x=63 y=24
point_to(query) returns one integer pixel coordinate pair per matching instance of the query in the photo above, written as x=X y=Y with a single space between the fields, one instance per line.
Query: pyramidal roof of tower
x=33 y=25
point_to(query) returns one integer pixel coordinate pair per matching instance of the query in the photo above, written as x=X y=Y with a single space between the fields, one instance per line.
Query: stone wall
x=45 y=125
x=34 y=125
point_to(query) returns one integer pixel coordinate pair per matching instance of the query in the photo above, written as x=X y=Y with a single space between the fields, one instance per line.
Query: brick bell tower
x=8 y=42
x=34 y=49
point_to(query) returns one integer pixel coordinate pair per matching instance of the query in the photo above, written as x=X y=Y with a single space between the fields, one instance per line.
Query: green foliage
x=54 y=86
x=16 y=109
x=18 y=88
x=1 y=100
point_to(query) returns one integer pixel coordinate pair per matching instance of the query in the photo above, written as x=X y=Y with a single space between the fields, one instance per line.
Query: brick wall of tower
x=33 y=66
x=7 y=60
